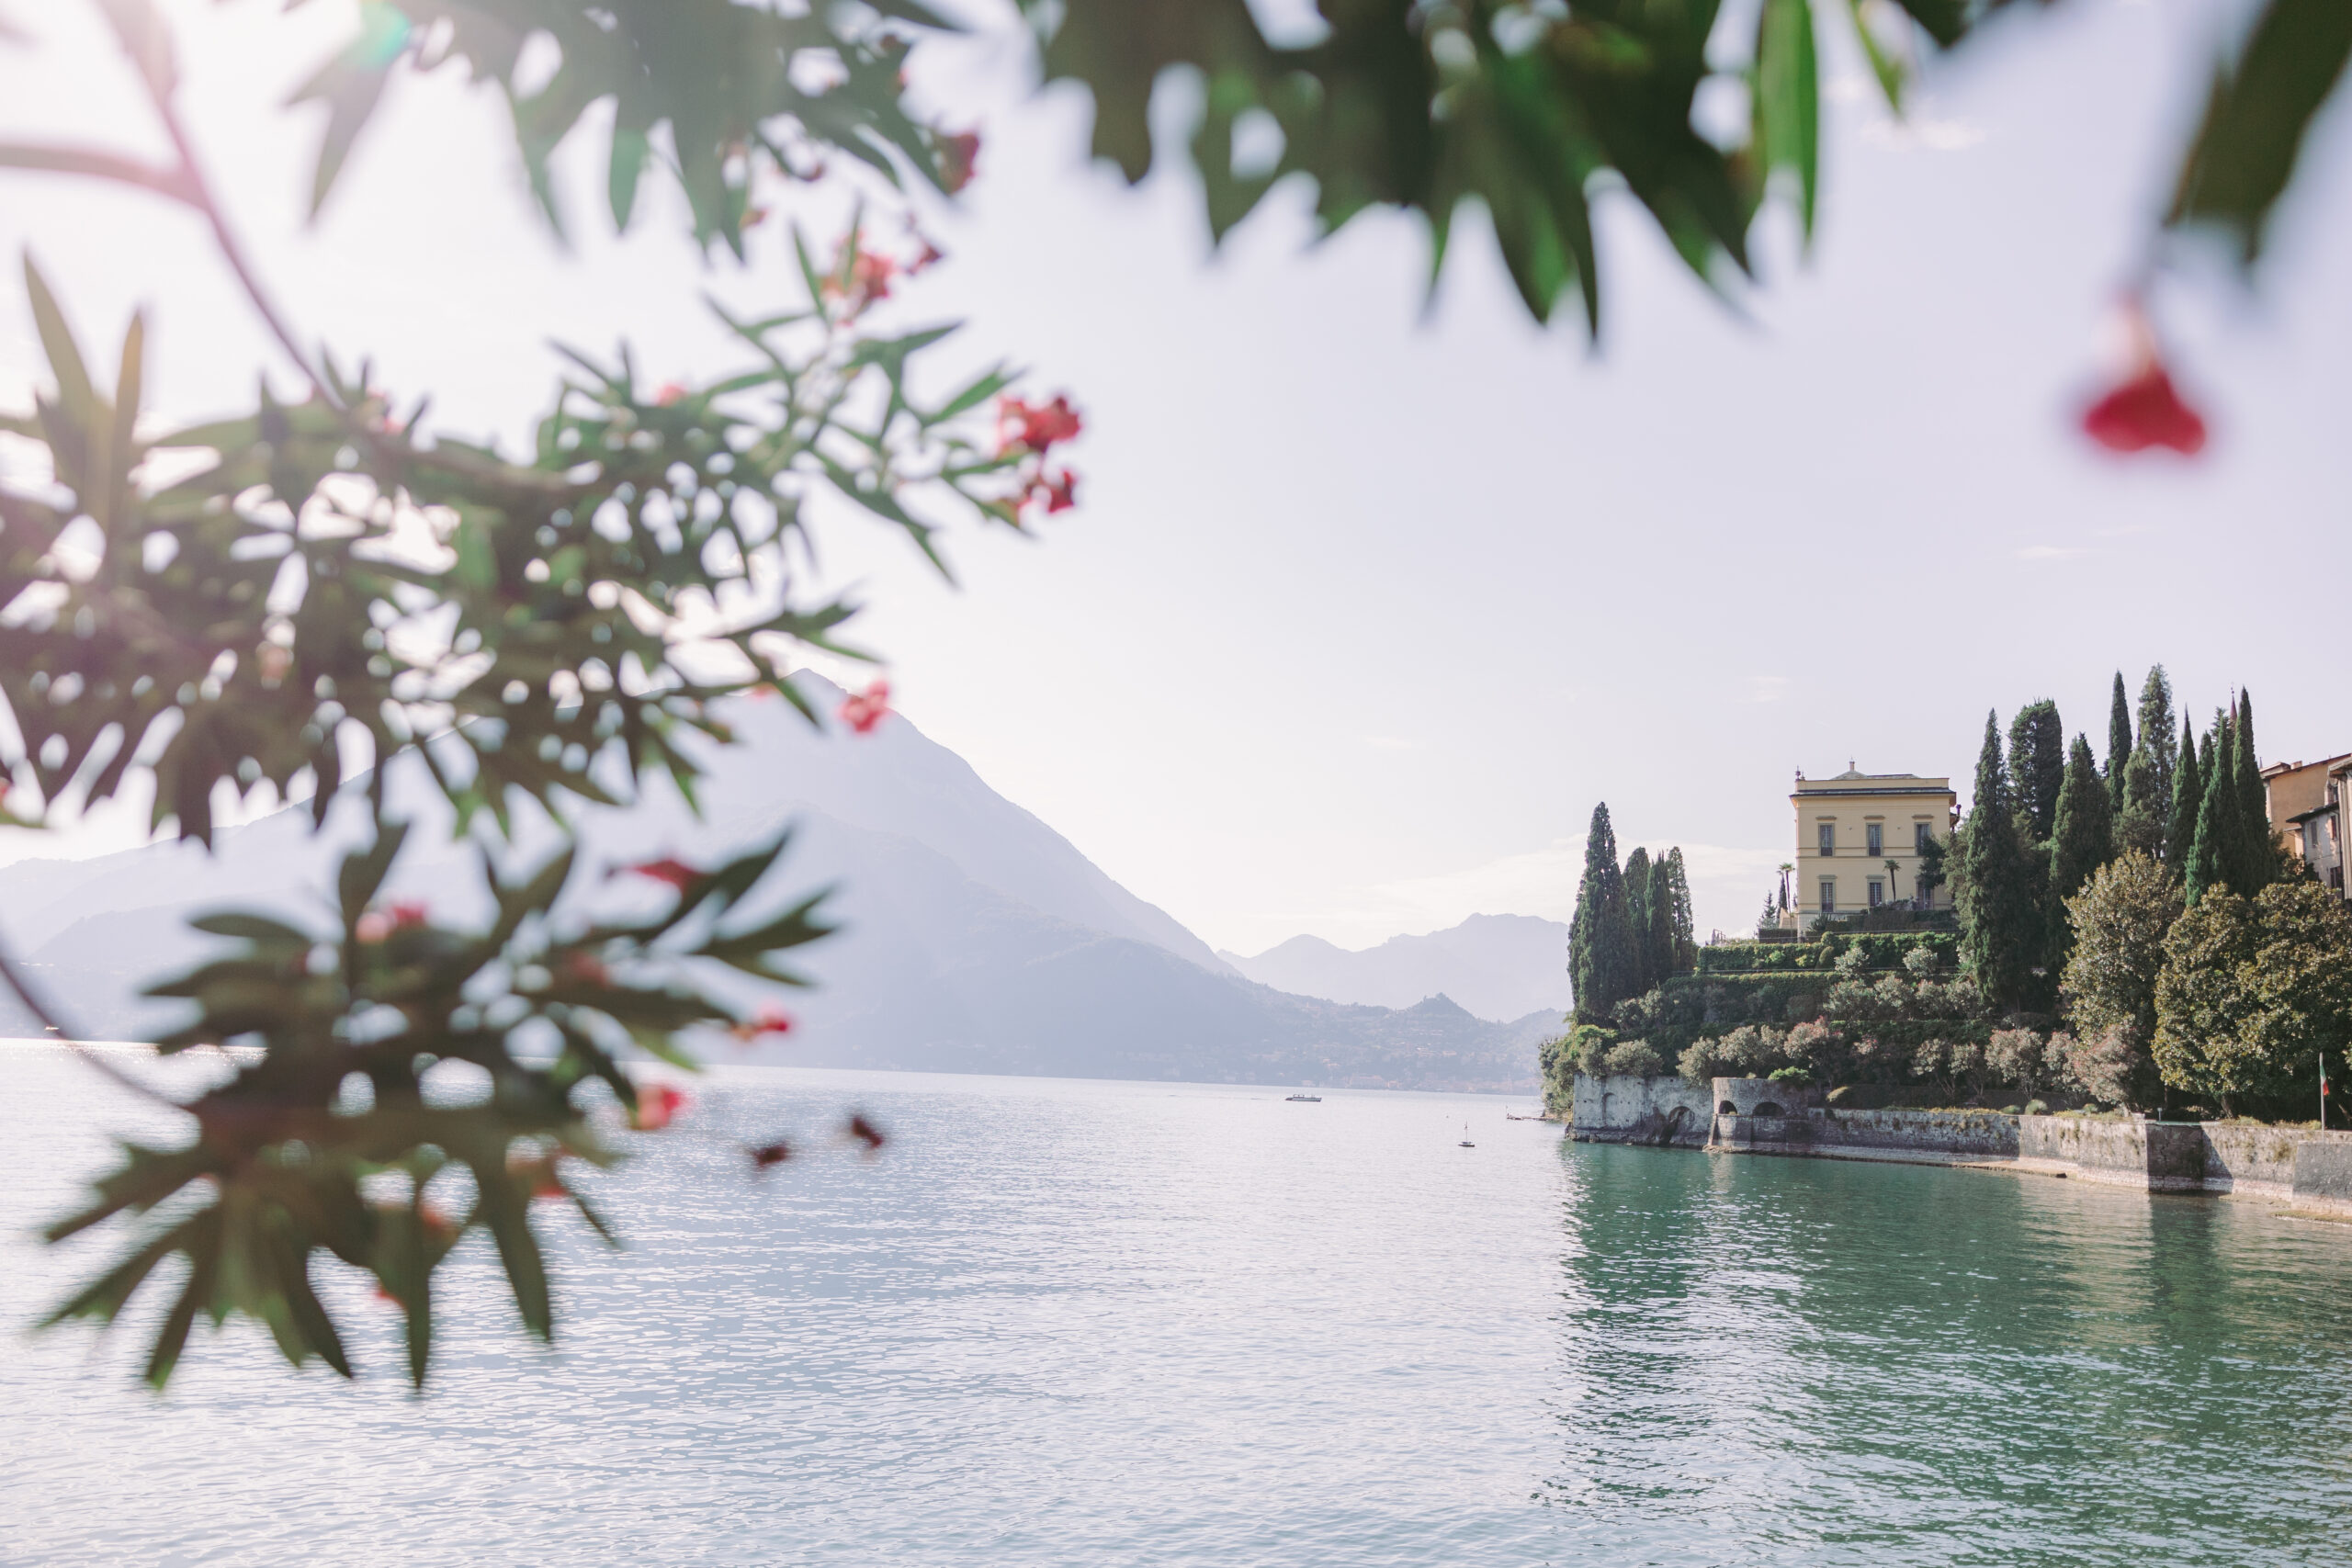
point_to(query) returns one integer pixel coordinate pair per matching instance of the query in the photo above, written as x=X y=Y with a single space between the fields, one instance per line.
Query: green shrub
x=1797 y=1076
x=1634 y=1058
x=2037 y=1108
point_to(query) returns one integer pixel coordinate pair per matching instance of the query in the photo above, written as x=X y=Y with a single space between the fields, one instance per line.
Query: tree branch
x=96 y=164
x=41 y=1010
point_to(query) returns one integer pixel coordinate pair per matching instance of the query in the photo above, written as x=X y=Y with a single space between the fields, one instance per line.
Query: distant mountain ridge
x=1498 y=967
x=975 y=938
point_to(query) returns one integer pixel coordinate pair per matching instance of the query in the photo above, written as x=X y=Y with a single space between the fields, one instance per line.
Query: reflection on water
x=1069 y=1323
x=1811 y=1361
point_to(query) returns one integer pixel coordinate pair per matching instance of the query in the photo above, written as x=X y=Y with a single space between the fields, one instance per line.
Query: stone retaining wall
x=2299 y=1165
x=1624 y=1109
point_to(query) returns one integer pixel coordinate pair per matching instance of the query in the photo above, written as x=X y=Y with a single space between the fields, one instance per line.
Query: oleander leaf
x=2257 y=118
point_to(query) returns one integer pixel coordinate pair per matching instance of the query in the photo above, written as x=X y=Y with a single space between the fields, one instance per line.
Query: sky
x=1373 y=595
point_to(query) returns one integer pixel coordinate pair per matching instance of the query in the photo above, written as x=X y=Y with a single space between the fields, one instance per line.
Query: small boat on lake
x=1466 y=1142
x=1304 y=1098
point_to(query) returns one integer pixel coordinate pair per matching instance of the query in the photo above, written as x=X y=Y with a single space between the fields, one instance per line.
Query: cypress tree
x=2257 y=845
x=2118 y=749
x=1681 y=931
x=2156 y=741
x=2187 y=794
x=1642 y=969
x=2082 y=841
x=2218 y=851
x=2037 y=765
x=2000 y=916
x=1658 y=938
x=1600 y=938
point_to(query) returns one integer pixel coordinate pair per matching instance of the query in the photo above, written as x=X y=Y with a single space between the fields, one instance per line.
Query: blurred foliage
x=1532 y=108
x=287 y=599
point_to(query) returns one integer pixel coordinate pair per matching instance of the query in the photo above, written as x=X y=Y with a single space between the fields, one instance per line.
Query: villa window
x=1827 y=836
x=1878 y=892
x=1874 y=835
x=1920 y=836
x=1828 y=893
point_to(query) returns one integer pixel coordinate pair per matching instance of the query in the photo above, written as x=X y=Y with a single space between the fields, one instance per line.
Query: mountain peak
x=1501 y=967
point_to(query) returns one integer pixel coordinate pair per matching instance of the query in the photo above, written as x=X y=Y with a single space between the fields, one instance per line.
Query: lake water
x=1110 y=1323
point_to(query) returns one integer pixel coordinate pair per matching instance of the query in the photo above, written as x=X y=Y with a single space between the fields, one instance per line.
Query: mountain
x=975 y=938
x=1499 y=966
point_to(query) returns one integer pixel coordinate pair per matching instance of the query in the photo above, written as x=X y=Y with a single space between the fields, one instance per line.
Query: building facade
x=1859 y=837
x=2306 y=802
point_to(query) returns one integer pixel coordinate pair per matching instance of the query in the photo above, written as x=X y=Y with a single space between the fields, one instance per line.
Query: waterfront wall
x=2299 y=1165
x=1874 y=1134
x=1625 y=1108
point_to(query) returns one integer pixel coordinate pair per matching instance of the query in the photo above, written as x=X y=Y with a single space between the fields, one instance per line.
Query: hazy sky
x=1367 y=607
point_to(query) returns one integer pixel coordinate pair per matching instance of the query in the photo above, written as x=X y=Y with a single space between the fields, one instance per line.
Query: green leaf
x=255 y=928
x=351 y=90
x=1893 y=74
x=1788 y=99
x=364 y=871
x=73 y=386
x=505 y=1209
x=2261 y=108
x=204 y=1259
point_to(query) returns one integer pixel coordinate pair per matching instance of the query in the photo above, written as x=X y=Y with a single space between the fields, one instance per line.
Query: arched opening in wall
x=1727 y=1109
x=1768 y=1108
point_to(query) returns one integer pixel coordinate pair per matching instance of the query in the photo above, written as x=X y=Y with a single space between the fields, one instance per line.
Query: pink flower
x=860 y=280
x=587 y=970
x=669 y=394
x=867 y=708
x=1034 y=427
x=767 y=1020
x=409 y=913
x=959 y=158
x=1059 y=492
x=657 y=1106
x=676 y=873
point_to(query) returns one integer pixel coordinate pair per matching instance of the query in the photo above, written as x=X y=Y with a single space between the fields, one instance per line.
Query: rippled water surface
x=1080 y=1323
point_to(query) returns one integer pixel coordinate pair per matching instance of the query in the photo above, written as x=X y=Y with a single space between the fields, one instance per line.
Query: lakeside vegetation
x=2131 y=935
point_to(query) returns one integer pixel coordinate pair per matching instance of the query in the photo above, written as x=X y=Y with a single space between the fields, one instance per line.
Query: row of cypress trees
x=1633 y=926
x=2041 y=822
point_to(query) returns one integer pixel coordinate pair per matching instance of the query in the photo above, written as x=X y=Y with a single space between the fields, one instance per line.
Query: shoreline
x=2307 y=1168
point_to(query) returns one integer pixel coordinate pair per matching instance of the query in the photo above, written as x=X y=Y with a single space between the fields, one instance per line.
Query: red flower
x=859 y=281
x=866 y=1133
x=676 y=873
x=408 y=914
x=959 y=158
x=768 y=1155
x=1032 y=427
x=767 y=1020
x=657 y=1105
x=872 y=272
x=868 y=708
x=587 y=970
x=670 y=392
x=1059 y=492
x=2143 y=411
x=541 y=1173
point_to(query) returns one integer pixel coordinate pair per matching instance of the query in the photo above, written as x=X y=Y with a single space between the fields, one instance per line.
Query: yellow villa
x=1859 y=839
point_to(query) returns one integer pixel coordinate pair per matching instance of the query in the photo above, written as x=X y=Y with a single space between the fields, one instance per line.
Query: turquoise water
x=1082 y=1323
